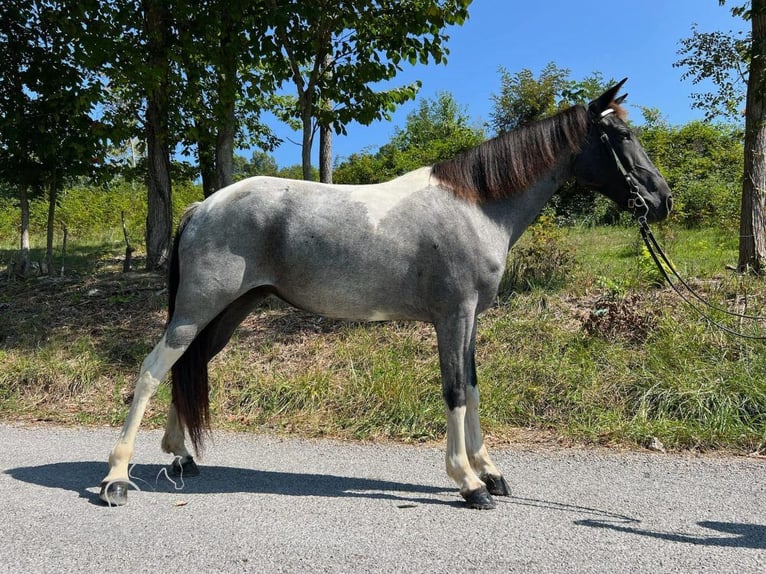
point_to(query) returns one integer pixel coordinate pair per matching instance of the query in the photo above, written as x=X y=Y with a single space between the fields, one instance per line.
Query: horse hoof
x=496 y=485
x=114 y=493
x=186 y=468
x=480 y=499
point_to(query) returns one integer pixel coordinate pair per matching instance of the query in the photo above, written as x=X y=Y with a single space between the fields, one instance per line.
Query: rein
x=636 y=203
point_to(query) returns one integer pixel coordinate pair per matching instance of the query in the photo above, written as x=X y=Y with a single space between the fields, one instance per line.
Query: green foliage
x=703 y=164
x=335 y=53
x=723 y=59
x=260 y=163
x=47 y=131
x=541 y=260
x=438 y=129
x=524 y=98
x=92 y=212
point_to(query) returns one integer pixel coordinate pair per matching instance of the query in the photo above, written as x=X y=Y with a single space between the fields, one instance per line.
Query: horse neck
x=517 y=212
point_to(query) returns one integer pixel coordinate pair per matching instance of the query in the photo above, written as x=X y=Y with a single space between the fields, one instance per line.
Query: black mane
x=510 y=162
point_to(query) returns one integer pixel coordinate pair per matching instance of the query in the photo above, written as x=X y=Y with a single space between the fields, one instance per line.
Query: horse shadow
x=79 y=477
x=729 y=534
x=75 y=476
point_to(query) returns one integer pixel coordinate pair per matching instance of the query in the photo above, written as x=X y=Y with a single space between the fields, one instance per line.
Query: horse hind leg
x=173 y=442
x=114 y=487
x=215 y=336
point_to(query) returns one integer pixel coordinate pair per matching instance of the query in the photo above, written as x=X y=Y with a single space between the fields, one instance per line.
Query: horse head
x=613 y=162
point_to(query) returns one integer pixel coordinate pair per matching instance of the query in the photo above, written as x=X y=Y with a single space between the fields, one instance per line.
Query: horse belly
x=349 y=287
x=349 y=270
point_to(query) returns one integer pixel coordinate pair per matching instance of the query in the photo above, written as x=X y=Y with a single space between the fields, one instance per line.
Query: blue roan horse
x=430 y=245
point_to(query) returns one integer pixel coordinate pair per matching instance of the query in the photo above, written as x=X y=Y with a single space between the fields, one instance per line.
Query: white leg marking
x=153 y=370
x=474 y=441
x=173 y=439
x=458 y=467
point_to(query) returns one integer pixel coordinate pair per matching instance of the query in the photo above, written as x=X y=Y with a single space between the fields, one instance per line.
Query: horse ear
x=621 y=99
x=602 y=102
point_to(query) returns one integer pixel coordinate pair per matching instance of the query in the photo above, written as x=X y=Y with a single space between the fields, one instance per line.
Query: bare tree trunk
x=23 y=268
x=227 y=100
x=325 y=131
x=325 y=154
x=52 y=195
x=159 y=213
x=752 y=243
x=159 y=217
x=206 y=158
x=224 y=151
x=208 y=173
x=307 y=141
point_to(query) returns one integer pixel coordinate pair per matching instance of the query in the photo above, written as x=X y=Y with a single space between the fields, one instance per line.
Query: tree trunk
x=159 y=217
x=52 y=195
x=207 y=171
x=325 y=154
x=227 y=100
x=307 y=141
x=224 y=151
x=23 y=268
x=752 y=243
x=325 y=131
x=206 y=157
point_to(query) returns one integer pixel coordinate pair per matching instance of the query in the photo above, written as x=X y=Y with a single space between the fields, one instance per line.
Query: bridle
x=636 y=201
x=640 y=209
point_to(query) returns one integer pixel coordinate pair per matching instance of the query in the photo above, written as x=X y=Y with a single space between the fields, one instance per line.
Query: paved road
x=264 y=504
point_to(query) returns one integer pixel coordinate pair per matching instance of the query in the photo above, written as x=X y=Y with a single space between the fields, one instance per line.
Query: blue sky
x=634 y=38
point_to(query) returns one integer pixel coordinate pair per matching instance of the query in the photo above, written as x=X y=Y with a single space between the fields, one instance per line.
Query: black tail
x=189 y=373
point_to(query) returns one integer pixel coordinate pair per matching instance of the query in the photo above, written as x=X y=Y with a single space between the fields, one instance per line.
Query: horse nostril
x=669 y=203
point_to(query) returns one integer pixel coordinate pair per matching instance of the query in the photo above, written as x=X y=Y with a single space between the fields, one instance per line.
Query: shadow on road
x=732 y=534
x=80 y=477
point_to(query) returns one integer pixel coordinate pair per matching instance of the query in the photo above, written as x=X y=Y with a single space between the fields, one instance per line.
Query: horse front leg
x=114 y=487
x=454 y=337
x=477 y=451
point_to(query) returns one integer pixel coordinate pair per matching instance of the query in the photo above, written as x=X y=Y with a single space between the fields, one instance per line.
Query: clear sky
x=634 y=38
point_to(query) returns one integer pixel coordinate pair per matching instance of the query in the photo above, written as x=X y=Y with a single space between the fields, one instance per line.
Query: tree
x=224 y=82
x=752 y=231
x=524 y=98
x=260 y=163
x=47 y=133
x=722 y=59
x=334 y=52
x=438 y=129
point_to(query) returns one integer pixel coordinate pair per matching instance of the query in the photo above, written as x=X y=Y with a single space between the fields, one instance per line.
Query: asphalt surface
x=266 y=504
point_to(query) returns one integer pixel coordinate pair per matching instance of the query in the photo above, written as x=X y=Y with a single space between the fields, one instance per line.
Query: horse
x=429 y=246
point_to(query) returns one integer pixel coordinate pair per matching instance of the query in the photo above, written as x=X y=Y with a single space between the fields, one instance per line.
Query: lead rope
x=659 y=257
x=635 y=203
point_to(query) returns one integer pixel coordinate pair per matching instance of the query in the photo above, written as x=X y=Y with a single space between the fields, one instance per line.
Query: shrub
x=543 y=260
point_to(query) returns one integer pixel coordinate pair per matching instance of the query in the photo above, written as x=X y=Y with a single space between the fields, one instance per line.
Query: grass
x=597 y=355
